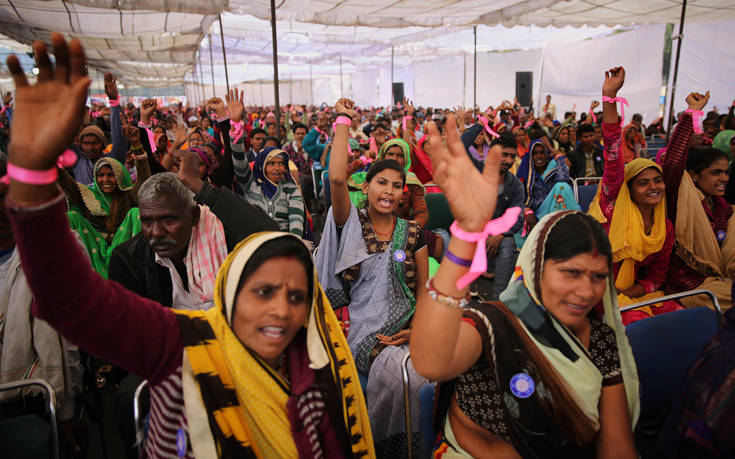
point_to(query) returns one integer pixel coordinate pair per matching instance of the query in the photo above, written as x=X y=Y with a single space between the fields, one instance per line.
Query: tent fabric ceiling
x=160 y=41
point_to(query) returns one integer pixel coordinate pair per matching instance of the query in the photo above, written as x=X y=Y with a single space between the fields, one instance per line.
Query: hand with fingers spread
x=180 y=136
x=132 y=133
x=697 y=101
x=410 y=110
x=216 y=104
x=56 y=100
x=111 y=86
x=471 y=195
x=235 y=104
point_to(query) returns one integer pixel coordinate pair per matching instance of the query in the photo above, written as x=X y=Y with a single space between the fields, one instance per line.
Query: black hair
x=567 y=114
x=279 y=247
x=582 y=128
x=700 y=159
x=575 y=234
x=637 y=117
x=257 y=131
x=299 y=126
x=505 y=140
x=536 y=134
x=383 y=164
x=274 y=139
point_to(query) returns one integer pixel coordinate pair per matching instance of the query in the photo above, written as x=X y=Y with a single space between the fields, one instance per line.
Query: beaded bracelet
x=448 y=301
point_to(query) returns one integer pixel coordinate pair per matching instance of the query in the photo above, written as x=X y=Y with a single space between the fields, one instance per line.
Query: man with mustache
x=188 y=227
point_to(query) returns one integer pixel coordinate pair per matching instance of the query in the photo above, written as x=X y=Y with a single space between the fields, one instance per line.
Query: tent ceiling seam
x=68 y=14
x=17 y=13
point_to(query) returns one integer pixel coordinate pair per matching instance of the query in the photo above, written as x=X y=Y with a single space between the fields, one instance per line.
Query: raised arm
x=338 y=165
x=613 y=175
x=98 y=315
x=119 y=143
x=676 y=151
x=408 y=121
x=442 y=345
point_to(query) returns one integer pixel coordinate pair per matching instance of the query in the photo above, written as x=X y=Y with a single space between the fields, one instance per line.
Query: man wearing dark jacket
x=501 y=249
x=587 y=159
x=152 y=263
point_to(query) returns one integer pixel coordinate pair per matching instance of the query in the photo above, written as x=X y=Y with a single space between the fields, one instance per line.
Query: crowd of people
x=270 y=307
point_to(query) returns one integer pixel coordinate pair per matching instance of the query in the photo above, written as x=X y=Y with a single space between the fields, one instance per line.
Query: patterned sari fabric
x=372 y=282
x=238 y=406
x=542 y=385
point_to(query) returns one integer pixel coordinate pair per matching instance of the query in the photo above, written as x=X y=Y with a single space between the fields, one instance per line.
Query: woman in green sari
x=105 y=214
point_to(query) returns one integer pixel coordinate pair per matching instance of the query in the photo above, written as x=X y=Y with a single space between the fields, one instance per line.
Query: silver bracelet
x=448 y=301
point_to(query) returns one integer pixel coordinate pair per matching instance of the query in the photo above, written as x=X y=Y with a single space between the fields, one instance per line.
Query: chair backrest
x=49 y=394
x=585 y=196
x=316 y=174
x=327 y=191
x=440 y=216
x=139 y=431
x=665 y=348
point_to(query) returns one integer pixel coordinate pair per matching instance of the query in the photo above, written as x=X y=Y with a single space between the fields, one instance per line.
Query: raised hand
x=695 y=100
x=147 y=107
x=180 y=136
x=216 y=104
x=594 y=104
x=132 y=133
x=47 y=115
x=111 y=86
x=7 y=98
x=235 y=104
x=471 y=195
x=410 y=110
x=614 y=79
x=188 y=163
x=345 y=105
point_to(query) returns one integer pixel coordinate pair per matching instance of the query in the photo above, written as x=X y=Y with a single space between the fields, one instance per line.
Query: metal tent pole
x=341 y=86
x=224 y=53
x=211 y=64
x=474 y=79
x=275 y=69
x=676 y=68
x=311 y=86
x=392 y=54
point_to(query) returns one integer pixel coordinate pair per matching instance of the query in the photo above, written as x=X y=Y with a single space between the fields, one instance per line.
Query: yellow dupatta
x=628 y=238
x=255 y=420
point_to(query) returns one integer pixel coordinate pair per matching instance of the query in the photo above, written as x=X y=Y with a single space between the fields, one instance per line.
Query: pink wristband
x=696 y=119
x=623 y=103
x=594 y=118
x=32 y=177
x=493 y=227
x=114 y=102
x=343 y=120
x=404 y=121
x=236 y=130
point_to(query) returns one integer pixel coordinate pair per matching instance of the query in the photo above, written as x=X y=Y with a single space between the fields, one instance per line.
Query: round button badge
x=399 y=256
x=721 y=235
x=522 y=385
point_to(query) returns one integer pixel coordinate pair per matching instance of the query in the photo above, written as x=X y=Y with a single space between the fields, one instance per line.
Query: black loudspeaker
x=524 y=88
x=397 y=93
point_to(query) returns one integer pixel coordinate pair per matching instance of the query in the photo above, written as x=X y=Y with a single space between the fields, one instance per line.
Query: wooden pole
x=679 y=38
x=224 y=53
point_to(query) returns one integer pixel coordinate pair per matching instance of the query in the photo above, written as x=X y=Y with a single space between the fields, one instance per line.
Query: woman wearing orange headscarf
x=632 y=143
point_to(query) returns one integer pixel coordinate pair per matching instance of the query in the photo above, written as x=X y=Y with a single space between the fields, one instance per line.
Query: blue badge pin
x=721 y=235
x=181 y=443
x=522 y=385
x=399 y=256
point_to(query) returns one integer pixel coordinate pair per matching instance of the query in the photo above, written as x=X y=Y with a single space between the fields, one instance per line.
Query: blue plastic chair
x=585 y=196
x=666 y=346
x=13 y=427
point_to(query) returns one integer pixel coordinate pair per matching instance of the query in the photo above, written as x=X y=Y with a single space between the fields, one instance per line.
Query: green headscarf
x=722 y=142
x=97 y=202
x=355 y=182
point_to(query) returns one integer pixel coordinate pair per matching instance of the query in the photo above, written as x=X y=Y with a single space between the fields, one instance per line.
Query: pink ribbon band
x=404 y=121
x=594 y=118
x=484 y=122
x=31 y=177
x=696 y=120
x=492 y=228
x=623 y=103
x=236 y=130
x=114 y=102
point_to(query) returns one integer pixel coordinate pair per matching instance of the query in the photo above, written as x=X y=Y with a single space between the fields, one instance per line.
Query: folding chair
x=585 y=193
x=50 y=397
x=139 y=431
x=428 y=434
x=315 y=176
x=665 y=347
x=407 y=402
